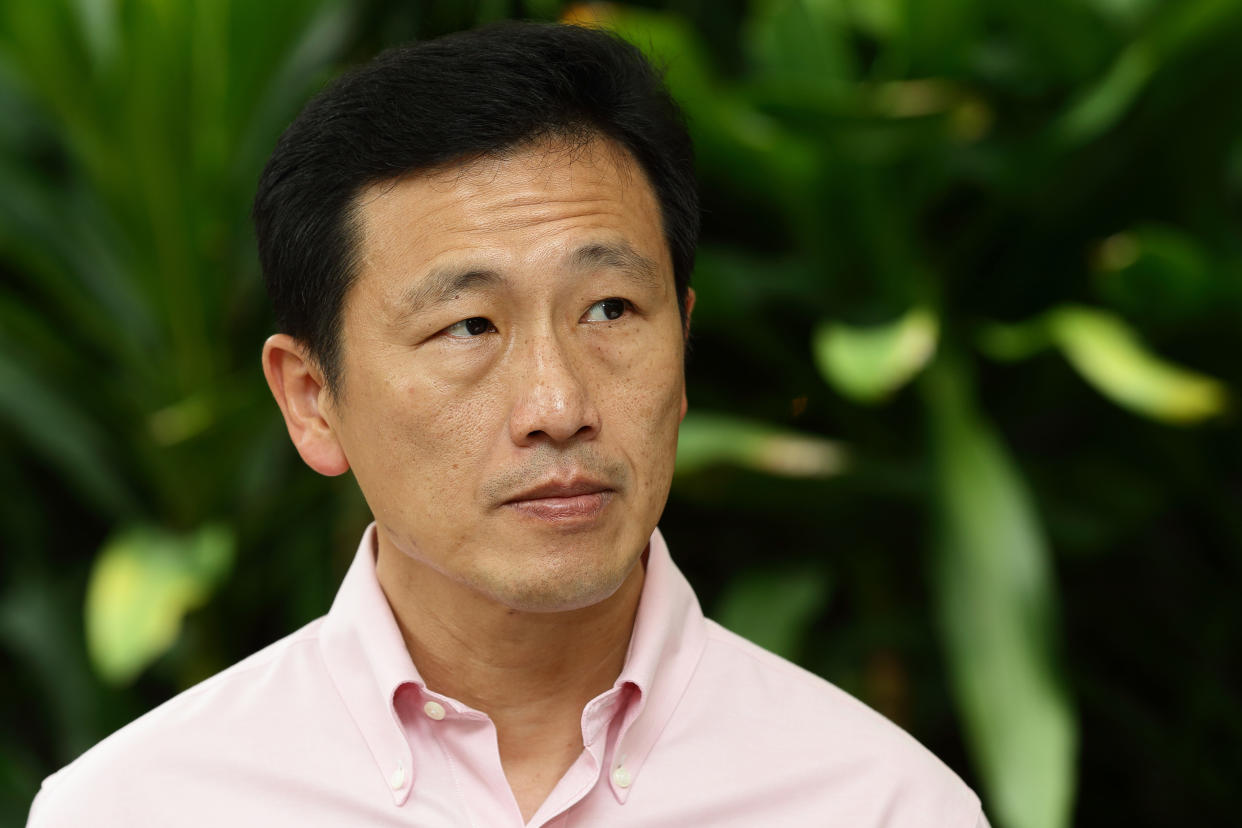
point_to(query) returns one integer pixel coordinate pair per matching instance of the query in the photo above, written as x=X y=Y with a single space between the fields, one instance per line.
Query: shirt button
x=621 y=776
x=397 y=780
x=434 y=710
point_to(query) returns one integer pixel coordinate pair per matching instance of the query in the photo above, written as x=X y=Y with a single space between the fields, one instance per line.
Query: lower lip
x=575 y=509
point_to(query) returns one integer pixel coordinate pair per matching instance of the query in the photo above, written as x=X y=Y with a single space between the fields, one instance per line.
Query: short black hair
x=431 y=103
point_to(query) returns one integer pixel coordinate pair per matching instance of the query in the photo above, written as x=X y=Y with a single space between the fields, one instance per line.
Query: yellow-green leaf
x=1014 y=342
x=1110 y=356
x=869 y=363
x=143 y=583
x=709 y=440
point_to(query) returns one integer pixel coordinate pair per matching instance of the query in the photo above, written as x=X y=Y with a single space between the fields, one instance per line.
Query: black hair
x=432 y=103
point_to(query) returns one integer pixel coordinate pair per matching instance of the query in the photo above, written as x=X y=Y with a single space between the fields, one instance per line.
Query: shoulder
x=750 y=672
x=223 y=726
x=826 y=744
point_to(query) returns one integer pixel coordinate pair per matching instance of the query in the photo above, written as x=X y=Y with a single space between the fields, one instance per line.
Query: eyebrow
x=444 y=284
x=620 y=257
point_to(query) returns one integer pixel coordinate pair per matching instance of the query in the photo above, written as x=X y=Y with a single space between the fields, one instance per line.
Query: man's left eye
x=606 y=310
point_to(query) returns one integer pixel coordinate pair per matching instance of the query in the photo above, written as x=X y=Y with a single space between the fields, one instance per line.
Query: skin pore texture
x=513 y=385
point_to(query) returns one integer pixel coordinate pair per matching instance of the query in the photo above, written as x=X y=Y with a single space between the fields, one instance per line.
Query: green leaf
x=132 y=137
x=1165 y=276
x=881 y=19
x=143 y=583
x=937 y=35
x=735 y=142
x=792 y=39
x=1177 y=30
x=708 y=440
x=1102 y=105
x=54 y=427
x=182 y=420
x=1110 y=356
x=774 y=608
x=666 y=39
x=1014 y=342
x=867 y=364
x=996 y=601
x=38 y=614
x=1124 y=12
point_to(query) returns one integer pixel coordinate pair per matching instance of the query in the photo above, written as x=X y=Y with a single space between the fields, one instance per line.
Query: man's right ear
x=297 y=384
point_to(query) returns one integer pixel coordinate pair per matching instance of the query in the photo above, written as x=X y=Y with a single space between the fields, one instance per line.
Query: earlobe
x=297 y=385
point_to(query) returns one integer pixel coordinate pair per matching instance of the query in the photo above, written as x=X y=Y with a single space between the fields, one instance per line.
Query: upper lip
x=562 y=488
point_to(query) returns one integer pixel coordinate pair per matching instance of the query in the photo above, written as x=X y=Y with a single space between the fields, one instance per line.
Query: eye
x=468 y=328
x=606 y=310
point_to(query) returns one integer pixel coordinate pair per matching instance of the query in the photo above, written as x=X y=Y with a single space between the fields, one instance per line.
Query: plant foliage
x=962 y=381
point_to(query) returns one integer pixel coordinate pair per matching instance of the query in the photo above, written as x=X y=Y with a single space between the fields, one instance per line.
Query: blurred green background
x=963 y=377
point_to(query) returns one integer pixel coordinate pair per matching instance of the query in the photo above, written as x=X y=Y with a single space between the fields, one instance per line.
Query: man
x=479 y=252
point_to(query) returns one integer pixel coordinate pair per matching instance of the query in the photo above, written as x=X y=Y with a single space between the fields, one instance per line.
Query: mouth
x=579 y=500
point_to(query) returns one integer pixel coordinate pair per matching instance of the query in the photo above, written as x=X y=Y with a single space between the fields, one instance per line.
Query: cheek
x=646 y=406
x=454 y=424
x=421 y=437
x=455 y=427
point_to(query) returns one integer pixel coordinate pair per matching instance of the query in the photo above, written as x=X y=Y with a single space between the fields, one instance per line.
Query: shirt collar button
x=434 y=710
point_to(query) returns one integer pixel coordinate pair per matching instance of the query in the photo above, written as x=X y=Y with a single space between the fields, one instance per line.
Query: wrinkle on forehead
x=566 y=181
x=478 y=173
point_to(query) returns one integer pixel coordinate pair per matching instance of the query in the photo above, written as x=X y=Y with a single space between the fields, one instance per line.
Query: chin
x=562 y=589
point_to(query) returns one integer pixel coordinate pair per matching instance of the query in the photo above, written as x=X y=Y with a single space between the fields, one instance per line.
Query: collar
x=665 y=647
x=368 y=661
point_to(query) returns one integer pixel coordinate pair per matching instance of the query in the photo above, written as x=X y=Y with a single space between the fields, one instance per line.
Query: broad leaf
x=143 y=583
x=774 y=608
x=792 y=40
x=55 y=428
x=708 y=440
x=1111 y=357
x=734 y=142
x=1176 y=31
x=869 y=363
x=996 y=604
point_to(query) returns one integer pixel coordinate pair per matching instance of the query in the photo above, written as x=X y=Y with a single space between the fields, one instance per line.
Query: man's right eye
x=466 y=328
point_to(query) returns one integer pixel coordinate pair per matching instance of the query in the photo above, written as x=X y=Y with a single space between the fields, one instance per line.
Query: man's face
x=513 y=372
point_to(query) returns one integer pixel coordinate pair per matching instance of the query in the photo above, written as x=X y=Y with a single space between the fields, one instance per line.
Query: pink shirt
x=333 y=726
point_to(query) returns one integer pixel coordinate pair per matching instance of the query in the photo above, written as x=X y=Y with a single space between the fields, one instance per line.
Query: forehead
x=510 y=207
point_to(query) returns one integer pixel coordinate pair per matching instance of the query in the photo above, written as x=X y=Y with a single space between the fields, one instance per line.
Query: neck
x=531 y=672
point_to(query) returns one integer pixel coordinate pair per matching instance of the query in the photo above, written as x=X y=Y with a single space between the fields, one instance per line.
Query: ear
x=689 y=310
x=297 y=384
x=685 y=403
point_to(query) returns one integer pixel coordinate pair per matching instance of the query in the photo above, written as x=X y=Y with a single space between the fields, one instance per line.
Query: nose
x=552 y=400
